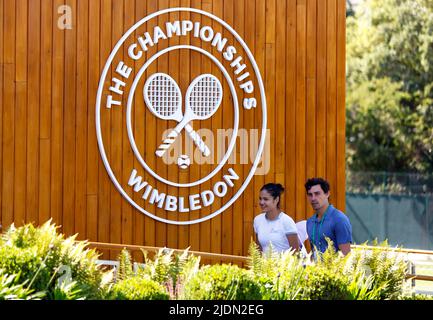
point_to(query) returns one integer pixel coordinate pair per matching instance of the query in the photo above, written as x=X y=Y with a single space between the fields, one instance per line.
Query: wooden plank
x=46 y=69
x=238 y=210
x=144 y=232
x=173 y=169
x=331 y=101
x=116 y=131
x=9 y=31
x=105 y=185
x=127 y=157
x=270 y=21
x=1 y=135
x=21 y=40
x=57 y=121
x=195 y=69
x=341 y=107
x=311 y=39
x=290 y=116
x=216 y=123
x=205 y=227
x=8 y=105
x=19 y=194
x=311 y=90
x=2 y=15
x=301 y=31
x=82 y=27
x=8 y=145
x=93 y=154
x=280 y=102
x=92 y=216
x=227 y=232
x=321 y=89
x=184 y=79
x=216 y=223
x=270 y=83
x=146 y=131
x=44 y=180
x=249 y=197
x=280 y=98
x=161 y=167
x=95 y=67
x=33 y=102
x=19 y=191
x=311 y=128
x=69 y=126
x=46 y=63
x=259 y=54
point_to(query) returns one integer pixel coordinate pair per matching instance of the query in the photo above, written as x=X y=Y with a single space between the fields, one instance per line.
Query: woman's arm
x=256 y=238
x=293 y=241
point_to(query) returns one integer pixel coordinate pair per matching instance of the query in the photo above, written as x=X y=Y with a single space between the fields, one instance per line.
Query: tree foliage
x=390 y=86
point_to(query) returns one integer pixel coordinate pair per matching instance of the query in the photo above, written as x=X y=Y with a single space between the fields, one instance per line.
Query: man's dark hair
x=315 y=181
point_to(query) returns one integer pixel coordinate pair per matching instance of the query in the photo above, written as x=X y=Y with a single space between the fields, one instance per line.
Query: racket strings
x=163 y=95
x=205 y=96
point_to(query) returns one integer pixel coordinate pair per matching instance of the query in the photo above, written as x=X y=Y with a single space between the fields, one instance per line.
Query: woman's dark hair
x=315 y=181
x=274 y=189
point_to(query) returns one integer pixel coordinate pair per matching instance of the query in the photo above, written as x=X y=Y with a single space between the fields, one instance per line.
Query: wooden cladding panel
x=50 y=165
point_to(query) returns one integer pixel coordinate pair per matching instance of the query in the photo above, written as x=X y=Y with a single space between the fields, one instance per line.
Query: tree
x=390 y=86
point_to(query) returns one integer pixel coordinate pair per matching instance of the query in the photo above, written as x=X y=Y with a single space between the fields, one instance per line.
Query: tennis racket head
x=204 y=96
x=163 y=97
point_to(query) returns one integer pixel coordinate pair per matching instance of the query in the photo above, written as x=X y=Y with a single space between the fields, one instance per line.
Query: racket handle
x=163 y=147
x=197 y=140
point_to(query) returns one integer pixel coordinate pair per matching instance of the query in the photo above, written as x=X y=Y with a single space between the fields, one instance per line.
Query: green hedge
x=222 y=282
x=38 y=262
x=138 y=288
x=47 y=262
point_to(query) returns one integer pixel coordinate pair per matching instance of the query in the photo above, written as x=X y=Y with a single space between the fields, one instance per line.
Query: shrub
x=170 y=269
x=373 y=274
x=67 y=291
x=222 y=282
x=386 y=268
x=280 y=275
x=40 y=255
x=325 y=284
x=416 y=296
x=12 y=289
x=138 y=288
x=125 y=265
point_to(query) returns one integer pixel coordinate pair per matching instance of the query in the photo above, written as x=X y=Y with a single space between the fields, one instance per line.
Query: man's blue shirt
x=334 y=225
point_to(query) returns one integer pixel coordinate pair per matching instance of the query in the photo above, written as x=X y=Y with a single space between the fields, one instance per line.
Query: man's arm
x=344 y=248
x=343 y=232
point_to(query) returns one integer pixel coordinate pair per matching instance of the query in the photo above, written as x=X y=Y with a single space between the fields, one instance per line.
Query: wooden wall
x=50 y=164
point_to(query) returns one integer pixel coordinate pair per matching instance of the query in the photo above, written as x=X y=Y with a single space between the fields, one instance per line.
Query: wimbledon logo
x=171 y=94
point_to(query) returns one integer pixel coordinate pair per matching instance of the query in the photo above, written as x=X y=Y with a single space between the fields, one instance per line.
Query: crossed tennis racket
x=164 y=99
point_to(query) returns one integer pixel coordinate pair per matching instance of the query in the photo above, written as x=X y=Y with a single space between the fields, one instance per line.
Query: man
x=327 y=222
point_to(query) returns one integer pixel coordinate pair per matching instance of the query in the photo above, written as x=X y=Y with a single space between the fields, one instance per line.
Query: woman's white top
x=274 y=231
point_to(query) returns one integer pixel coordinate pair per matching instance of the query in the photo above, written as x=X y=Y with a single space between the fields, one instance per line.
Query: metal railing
x=412 y=275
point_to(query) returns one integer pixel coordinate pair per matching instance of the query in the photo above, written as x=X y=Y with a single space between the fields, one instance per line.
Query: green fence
x=405 y=220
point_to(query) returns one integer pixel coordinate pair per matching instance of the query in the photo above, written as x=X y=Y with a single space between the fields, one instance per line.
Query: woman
x=273 y=225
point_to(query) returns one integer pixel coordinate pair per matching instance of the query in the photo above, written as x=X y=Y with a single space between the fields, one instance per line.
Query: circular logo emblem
x=181 y=116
